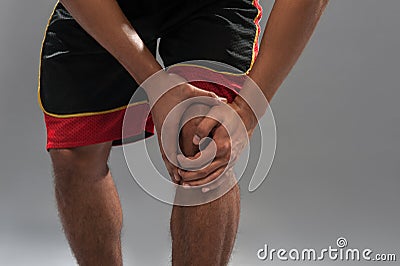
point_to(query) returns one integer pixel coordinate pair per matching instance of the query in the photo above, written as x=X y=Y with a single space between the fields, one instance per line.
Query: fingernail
x=205 y=189
x=196 y=140
x=185 y=185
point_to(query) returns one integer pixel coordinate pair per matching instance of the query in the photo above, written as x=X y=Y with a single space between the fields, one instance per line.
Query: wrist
x=252 y=97
x=160 y=83
x=245 y=111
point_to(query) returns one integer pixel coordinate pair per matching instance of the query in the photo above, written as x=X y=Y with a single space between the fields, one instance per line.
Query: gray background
x=336 y=171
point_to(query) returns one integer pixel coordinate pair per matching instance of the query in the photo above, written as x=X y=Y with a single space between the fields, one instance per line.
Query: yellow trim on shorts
x=253 y=57
x=40 y=59
x=94 y=113
x=207 y=68
x=141 y=102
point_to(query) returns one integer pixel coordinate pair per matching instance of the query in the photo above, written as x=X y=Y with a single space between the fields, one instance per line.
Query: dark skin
x=91 y=214
x=87 y=199
x=288 y=30
x=213 y=224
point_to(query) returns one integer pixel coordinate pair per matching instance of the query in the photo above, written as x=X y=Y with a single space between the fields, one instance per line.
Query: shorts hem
x=75 y=132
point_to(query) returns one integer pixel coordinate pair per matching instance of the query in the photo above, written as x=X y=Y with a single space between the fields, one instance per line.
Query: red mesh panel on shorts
x=86 y=130
x=223 y=84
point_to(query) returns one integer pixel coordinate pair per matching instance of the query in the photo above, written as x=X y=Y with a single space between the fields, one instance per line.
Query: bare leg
x=88 y=204
x=204 y=234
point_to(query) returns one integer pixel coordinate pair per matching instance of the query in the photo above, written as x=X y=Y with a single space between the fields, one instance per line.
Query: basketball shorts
x=84 y=92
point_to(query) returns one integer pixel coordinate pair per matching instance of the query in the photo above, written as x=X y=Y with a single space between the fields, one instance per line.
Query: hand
x=231 y=126
x=172 y=99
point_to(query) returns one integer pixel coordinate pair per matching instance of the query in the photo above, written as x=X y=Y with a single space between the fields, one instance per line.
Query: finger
x=216 y=184
x=219 y=148
x=188 y=176
x=170 y=130
x=199 y=160
x=175 y=176
x=228 y=174
x=199 y=166
x=173 y=173
x=212 y=119
x=169 y=135
x=219 y=172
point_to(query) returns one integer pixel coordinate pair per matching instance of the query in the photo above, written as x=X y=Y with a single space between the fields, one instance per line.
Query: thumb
x=207 y=124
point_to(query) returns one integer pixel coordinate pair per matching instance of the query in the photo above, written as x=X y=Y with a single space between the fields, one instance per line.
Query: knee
x=82 y=161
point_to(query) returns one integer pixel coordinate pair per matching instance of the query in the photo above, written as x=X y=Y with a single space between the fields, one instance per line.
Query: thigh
x=86 y=159
x=74 y=167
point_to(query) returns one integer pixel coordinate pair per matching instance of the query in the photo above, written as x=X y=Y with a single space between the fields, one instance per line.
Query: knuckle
x=186 y=90
x=196 y=121
x=193 y=122
x=224 y=146
x=227 y=145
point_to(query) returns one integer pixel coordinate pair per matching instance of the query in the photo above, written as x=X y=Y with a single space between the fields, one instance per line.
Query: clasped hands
x=228 y=126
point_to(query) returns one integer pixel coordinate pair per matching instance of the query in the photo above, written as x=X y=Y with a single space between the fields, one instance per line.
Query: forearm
x=288 y=30
x=107 y=24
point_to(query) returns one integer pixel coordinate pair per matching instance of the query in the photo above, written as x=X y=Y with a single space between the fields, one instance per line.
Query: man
x=94 y=55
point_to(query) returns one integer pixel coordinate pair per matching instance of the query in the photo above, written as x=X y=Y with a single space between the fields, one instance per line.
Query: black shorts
x=83 y=89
